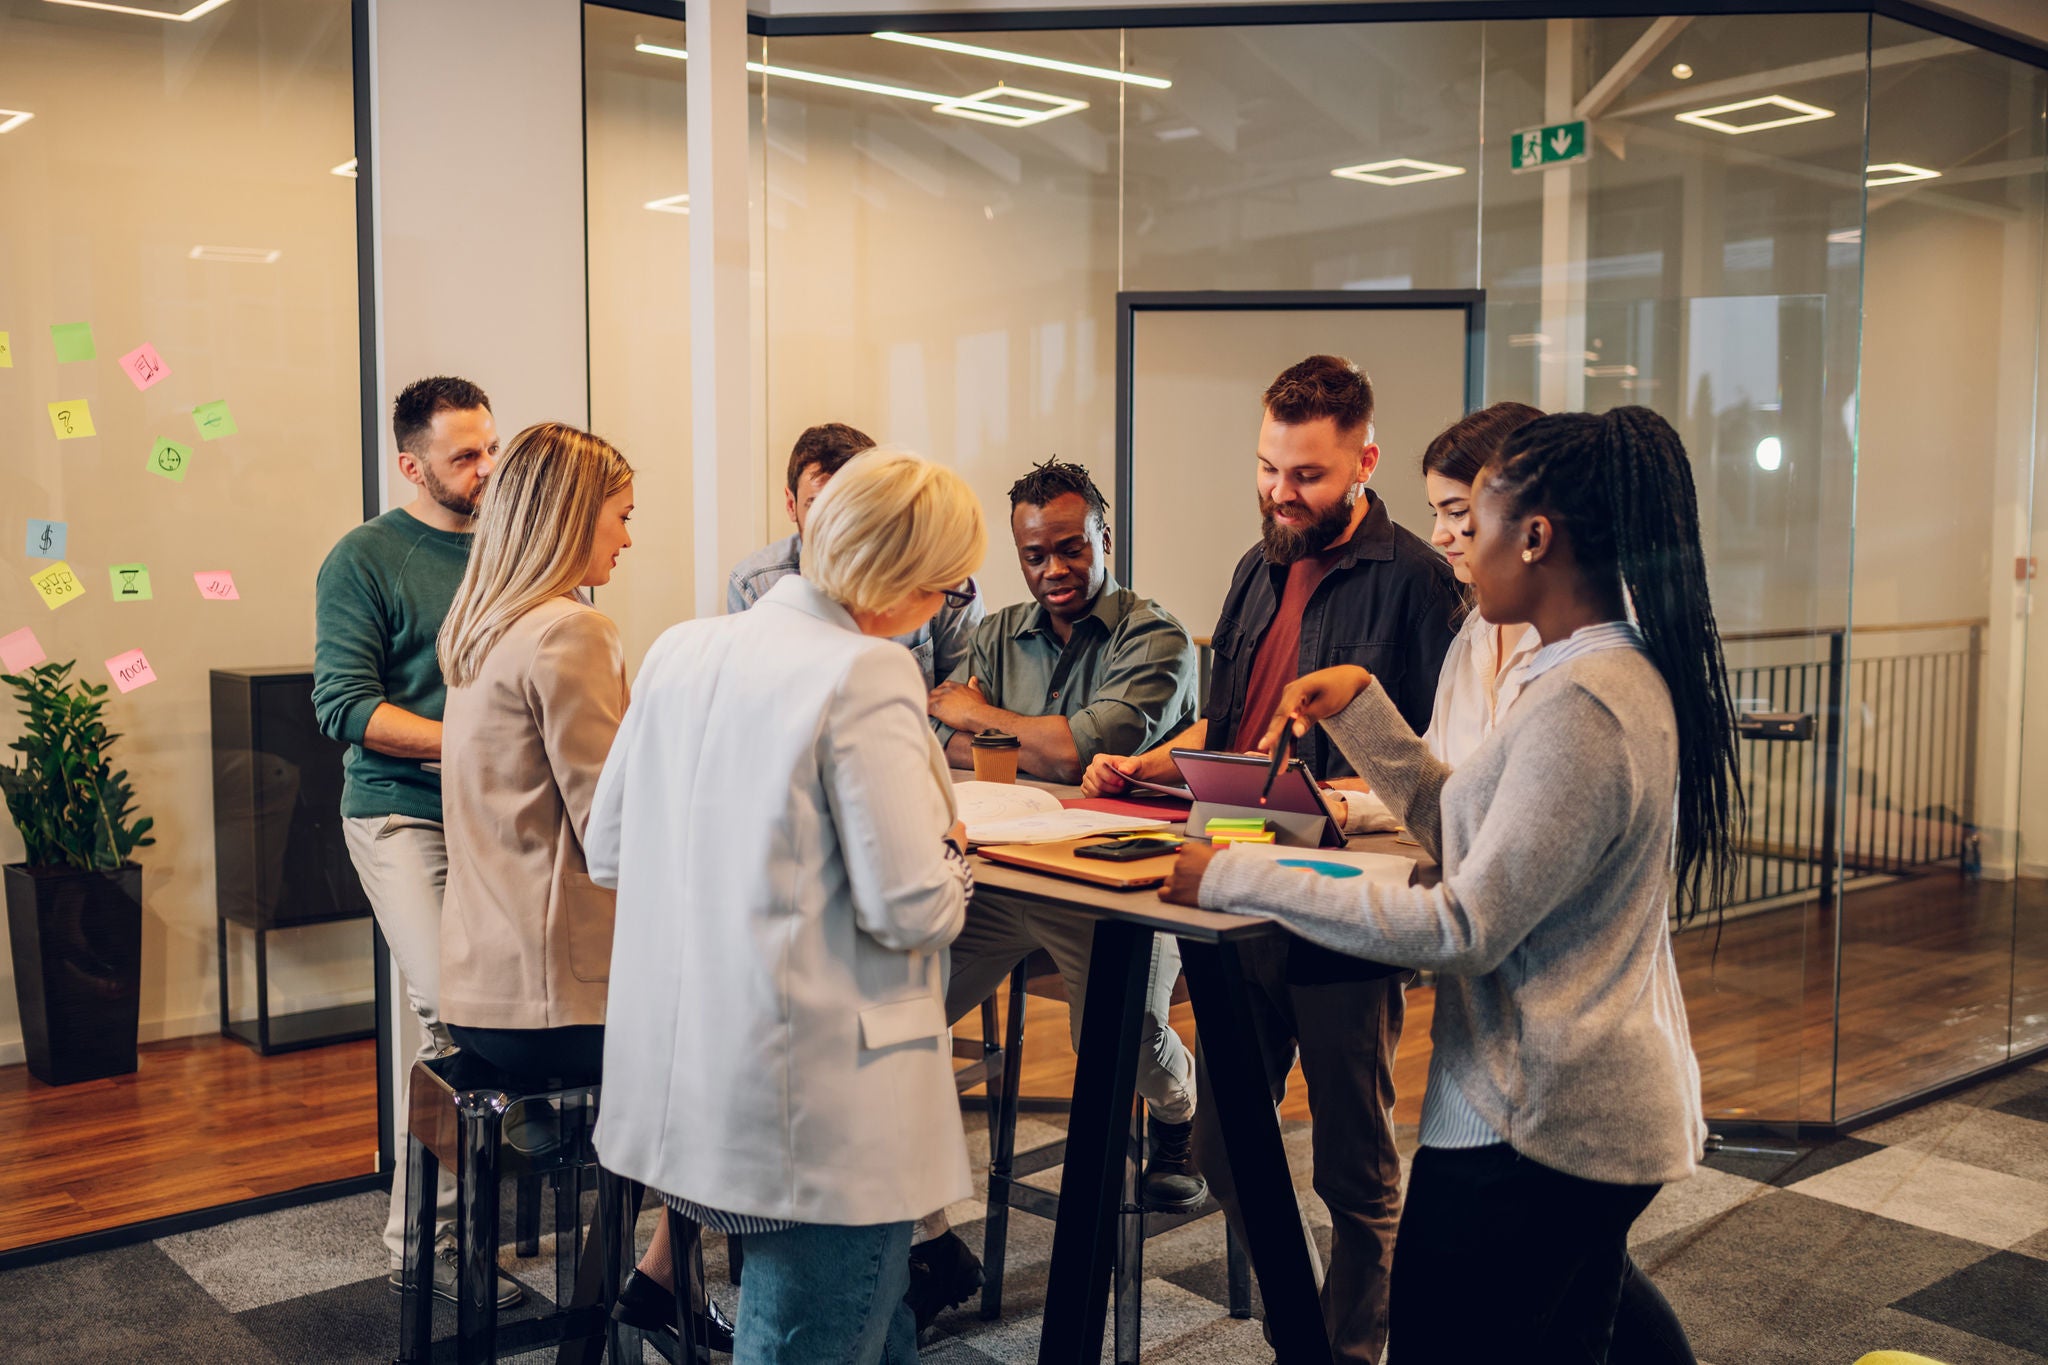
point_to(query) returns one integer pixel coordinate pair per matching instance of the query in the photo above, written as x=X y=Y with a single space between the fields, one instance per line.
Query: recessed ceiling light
x=238 y=255
x=1528 y=339
x=1026 y=59
x=657 y=50
x=10 y=119
x=1770 y=453
x=961 y=106
x=1610 y=372
x=347 y=168
x=205 y=7
x=675 y=203
x=1177 y=133
x=1895 y=173
x=1682 y=72
x=1406 y=171
x=1846 y=236
x=1010 y=106
x=1793 y=112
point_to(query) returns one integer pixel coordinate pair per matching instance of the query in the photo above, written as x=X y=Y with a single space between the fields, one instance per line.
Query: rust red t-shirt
x=1277 y=661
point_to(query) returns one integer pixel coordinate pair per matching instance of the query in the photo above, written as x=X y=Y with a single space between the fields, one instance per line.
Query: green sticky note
x=169 y=459
x=214 y=420
x=6 y=353
x=130 y=582
x=73 y=341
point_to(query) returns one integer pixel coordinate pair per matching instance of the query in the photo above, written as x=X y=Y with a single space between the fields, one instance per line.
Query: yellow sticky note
x=71 y=419
x=57 y=584
x=6 y=353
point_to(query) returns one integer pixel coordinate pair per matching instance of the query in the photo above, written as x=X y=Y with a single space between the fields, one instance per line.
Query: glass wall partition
x=180 y=417
x=951 y=217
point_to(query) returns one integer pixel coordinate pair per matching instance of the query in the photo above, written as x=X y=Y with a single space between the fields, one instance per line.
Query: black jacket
x=1390 y=605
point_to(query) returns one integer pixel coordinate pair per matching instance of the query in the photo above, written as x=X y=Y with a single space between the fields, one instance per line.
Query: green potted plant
x=74 y=905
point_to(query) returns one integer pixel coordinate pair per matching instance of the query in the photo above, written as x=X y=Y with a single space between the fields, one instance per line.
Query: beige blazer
x=774 y=816
x=526 y=936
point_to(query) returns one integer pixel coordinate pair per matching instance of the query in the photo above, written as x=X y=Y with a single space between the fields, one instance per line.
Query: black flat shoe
x=645 y=1305
x=943 y=1274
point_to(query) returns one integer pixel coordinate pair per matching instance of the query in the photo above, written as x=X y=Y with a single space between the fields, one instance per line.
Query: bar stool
x=457 y=1118
x=1007 y=1188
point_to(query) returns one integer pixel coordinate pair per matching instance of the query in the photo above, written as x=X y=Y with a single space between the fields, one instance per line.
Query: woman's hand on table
x=1184 y=887
x=1318 y=696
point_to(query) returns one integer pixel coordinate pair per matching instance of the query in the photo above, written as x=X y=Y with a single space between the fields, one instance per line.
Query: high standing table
x=1105 y=1081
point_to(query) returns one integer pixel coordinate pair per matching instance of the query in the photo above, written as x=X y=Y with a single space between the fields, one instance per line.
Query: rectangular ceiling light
x=10 y=119
x=205 y=7
x=347 y=168
x=1895 y=173
x=962 y=106
x=675 y=203
x=1402 y=170
x=238 y=255
x=1101 y=73
x=657 y=50
x=1846 y=237
x=1790 y=111
x=1010 y=106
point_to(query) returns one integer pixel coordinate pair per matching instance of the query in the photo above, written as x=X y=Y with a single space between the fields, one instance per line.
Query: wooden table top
x=1143 y=906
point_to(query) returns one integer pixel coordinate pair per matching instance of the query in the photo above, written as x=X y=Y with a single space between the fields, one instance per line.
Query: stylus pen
x=1283 y=749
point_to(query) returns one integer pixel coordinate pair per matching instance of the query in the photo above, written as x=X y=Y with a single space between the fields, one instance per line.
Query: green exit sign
x=1554 y=144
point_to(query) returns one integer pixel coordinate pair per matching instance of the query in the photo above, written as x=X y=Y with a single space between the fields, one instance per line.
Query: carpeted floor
x=1927 y=1233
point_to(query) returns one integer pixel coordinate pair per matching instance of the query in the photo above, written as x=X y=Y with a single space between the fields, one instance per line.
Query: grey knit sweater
x=1558 y=1014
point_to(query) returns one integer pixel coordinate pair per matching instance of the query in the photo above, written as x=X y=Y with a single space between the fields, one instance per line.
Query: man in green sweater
x=380 y=600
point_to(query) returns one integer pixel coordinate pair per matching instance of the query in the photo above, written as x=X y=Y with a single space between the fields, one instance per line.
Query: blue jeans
x=823 y=1295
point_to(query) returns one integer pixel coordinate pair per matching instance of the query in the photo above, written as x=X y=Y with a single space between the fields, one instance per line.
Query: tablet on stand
x=1227 y=786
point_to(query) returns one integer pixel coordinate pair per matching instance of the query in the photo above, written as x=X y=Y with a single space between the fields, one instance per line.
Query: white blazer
x=773 y=814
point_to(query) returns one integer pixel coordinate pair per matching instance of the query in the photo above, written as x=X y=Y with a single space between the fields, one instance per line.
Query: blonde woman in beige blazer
x=536 y=691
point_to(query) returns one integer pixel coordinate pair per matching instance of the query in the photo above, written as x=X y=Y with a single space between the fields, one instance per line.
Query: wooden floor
x=1935 y=971
x=204 y=1121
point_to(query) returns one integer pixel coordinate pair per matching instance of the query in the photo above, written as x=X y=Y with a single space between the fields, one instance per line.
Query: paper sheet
x=73 y=341
x=6 y=352
x=980 y=802
x=71 y=418
x=217 y=585
x=131 y=670
x=57 y=585
x=46 y=539
x=20 y=651
x=1379 y=867
x=214 y=420
x=144 y=366
x=1053 y=826
x=169 y=459
x=130 y=583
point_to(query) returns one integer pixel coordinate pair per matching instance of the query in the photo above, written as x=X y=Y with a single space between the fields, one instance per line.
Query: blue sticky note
x=45 y=539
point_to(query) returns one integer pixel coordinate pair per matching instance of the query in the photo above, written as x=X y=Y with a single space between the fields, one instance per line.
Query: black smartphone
x=1127 y=850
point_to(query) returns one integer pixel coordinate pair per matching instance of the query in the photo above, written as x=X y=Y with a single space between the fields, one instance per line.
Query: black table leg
x=1105 y=1080
x=476 y=1291
x=1242 y=1101
x=416 y=1303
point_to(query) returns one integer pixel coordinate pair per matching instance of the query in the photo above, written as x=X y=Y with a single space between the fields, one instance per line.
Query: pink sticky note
x=20 y=651
x=144 y=366
x=217 y=585
x=131 y=670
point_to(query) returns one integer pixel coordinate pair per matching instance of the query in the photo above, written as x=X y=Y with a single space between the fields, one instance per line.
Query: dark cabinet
x=281 y=861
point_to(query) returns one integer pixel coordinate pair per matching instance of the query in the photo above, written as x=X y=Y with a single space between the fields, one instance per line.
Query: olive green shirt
x=1126 y=680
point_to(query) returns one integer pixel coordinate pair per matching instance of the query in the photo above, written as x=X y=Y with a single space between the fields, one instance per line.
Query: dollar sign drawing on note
x=46 y=538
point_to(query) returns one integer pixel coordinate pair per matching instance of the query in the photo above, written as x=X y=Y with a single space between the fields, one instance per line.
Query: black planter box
x=77 y=940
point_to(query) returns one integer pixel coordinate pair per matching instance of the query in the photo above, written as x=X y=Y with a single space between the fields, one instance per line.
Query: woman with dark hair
x=1563 y=1091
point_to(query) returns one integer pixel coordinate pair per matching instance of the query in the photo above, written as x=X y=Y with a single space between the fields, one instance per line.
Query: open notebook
x=1002 y=813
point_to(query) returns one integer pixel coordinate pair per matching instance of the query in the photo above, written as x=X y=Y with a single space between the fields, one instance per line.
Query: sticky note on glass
x=217 y=585
x=58 y=585
x=6 y=352
x=20 y=651
x=144 y=366
x=71 y=419
x=73 y=341
x=213 y=420
x=131 y=670
x=130 y=582
x=169 y=459
x=45 y=539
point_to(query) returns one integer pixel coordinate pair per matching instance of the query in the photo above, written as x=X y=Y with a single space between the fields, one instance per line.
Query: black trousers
x=545 y=1058
x=1499 y=1257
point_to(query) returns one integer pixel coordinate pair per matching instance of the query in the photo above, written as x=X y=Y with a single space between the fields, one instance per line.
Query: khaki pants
x=1346 y=1034
x=403 y=863
x=1002 y=931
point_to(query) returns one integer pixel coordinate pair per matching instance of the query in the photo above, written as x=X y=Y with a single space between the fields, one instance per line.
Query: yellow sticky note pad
x=57 y=584
x=71 y=419
x=6 y=352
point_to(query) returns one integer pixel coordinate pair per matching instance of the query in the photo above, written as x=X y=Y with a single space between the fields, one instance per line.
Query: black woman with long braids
x=1563 y=1090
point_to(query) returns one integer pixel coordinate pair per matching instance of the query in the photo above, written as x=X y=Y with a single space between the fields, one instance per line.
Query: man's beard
x=441 y=493
x=1285 y=544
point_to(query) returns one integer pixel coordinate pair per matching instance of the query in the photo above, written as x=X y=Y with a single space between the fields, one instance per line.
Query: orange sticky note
x=217 y=585
x=131 y=670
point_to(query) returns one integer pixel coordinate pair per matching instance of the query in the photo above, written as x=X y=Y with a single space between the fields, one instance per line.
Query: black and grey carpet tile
x=1927 y=1233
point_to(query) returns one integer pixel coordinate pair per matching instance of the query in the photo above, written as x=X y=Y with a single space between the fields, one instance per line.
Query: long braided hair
x=1621 y=485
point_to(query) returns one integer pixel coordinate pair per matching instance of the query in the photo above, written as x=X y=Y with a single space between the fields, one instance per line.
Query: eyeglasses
x=960 y=596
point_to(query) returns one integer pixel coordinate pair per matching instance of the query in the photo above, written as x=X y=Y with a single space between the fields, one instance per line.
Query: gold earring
x=1528 y=556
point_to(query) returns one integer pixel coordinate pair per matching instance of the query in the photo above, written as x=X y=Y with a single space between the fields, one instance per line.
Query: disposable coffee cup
x=995 y=756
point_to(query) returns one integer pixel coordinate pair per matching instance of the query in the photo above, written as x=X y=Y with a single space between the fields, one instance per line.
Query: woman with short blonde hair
x=779 y=823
